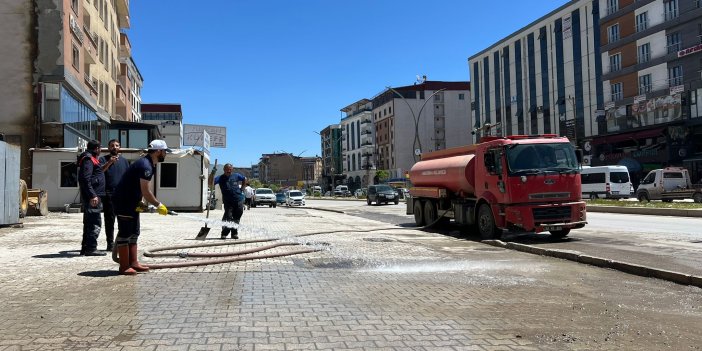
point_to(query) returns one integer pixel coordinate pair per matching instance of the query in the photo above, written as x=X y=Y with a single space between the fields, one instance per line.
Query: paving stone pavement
x=389 y=289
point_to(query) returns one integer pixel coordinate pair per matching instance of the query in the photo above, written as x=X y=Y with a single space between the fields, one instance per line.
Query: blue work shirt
x=231 y=192
x=127 y=194
x=114 y=173
x=90 y=177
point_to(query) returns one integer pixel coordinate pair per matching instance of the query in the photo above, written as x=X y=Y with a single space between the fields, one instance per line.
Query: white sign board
x=206 y=142
x=192 y=135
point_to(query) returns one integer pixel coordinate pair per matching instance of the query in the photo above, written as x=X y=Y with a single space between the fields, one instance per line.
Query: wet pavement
x=372 y=286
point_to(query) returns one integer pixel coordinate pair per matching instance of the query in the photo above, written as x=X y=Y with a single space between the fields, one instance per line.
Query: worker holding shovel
x=232 y=197
x=128 y=204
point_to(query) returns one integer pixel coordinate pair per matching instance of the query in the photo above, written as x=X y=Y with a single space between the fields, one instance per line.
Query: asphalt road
x=663 y=242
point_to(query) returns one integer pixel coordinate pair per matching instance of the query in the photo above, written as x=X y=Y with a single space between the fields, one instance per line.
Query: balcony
x=641 y=26
x=125 y=47
x=366 y=121
x=643 y=89
x=123 y=13
x=89 y=54
x=91 y=83
x=674 y=48
x=121 y=95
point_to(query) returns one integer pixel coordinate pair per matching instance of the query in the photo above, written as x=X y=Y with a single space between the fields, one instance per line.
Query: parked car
x=316 y=190
x=280 y=198
x=342 y=190
x=294 y=198
x=382 y=193
x=263 y=196
x=359 y=192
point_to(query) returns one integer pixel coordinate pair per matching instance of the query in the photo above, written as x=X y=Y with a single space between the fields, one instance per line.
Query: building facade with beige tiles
x=62 y=72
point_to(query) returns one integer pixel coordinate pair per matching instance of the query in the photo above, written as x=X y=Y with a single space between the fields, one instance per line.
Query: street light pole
x=417 y=144
x=575 y=120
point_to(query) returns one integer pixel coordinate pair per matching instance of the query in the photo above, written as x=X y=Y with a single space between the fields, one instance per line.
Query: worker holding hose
x=232 y=197
x=128 y=204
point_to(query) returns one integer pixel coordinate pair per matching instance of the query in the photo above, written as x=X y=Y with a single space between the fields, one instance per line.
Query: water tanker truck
x=517 y=183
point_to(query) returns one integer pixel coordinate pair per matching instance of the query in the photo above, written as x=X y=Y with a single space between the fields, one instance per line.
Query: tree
x=382 y=175
x=255 y=183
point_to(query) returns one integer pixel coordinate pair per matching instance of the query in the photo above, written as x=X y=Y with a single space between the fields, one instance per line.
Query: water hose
x=241 y=255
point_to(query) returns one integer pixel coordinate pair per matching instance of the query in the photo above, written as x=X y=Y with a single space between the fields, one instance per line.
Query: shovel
x=205 y=230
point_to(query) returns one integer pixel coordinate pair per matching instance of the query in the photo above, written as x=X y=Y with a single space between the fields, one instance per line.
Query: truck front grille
x=560 y=213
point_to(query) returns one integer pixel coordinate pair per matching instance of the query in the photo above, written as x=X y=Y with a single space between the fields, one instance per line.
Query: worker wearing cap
x=127 y=201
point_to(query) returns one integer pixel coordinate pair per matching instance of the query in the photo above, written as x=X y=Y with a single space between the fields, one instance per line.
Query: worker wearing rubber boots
x=128 y=204
x=233 y=198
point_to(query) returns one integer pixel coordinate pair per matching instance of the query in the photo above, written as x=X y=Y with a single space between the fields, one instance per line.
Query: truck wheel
x=275 y=205
x=397 y=201
x=593 y=196
x=667 y=200
x=642 y=196
x=429 y=213
x=697 y=197
x=418 y=213
x=368 y=201
x=558 y=234
x=486 y=223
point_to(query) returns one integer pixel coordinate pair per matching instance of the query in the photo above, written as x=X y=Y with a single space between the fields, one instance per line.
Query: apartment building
x=168 y=118
x=543 y=78
x=311 y=171
x=332 y=165
x=409 y=120
x=129 y=84
x=59 y=68
x=357 y=137
x=283 y=169
x=652 y=52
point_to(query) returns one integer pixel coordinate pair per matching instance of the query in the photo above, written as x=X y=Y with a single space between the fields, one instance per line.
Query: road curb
x=631 y=268
x=324 y=209
x=646 y=211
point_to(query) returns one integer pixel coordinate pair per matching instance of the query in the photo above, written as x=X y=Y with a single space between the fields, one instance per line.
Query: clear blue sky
x=273 y=72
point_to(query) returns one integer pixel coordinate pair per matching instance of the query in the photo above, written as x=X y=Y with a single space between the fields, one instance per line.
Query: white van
x=609 y=182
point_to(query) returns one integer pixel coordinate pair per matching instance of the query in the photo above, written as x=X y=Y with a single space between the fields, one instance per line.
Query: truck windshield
x=541 y=158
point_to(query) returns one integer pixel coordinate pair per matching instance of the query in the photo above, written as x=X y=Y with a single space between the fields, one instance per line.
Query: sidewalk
x=392 y=289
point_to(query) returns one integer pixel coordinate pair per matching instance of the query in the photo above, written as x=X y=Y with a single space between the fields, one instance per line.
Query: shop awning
x=642 y=134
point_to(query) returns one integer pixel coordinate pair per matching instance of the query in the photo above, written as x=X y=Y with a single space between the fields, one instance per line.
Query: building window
x=671 y=9
x=615 y=62
x=613 y=33
x=675 y=76
x=612 y=6
x=74 y=6
x=461 y=96
x=75 y=57
x=390 y=109
x=645 y=84
x=68 y=174
x=644 y=53
x=616 y=91
x=437 y=97
x=641 y=21
x=673 y=41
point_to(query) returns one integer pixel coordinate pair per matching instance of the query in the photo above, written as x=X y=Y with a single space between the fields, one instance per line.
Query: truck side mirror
x=579 y=155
